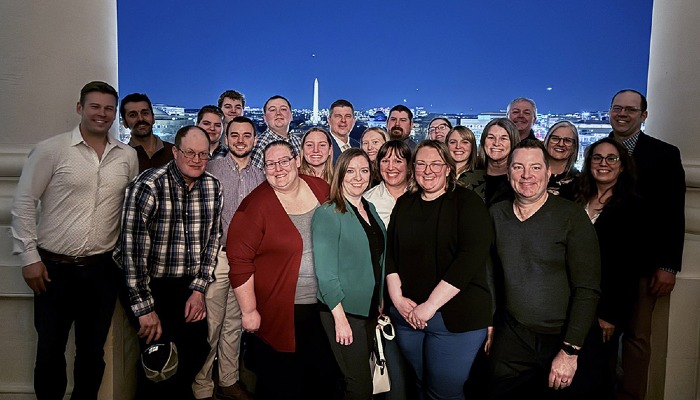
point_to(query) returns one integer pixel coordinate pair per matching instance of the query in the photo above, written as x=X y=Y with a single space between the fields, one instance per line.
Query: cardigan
x=263 y=241
x=342 y=259
x=461 y=239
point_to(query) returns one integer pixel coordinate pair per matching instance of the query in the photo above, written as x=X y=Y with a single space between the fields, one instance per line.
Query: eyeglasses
x=192 y=154
x=441 y=127
x=611 y=160
x=628 y=109
x=282 y=162
x=557 y=139
x=434 y=167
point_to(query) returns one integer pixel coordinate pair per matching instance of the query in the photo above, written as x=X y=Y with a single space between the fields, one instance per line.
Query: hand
x=607 y=328
x=489 y=340
x=150 y=327
x=36 y=276
x=662 y=283
x=421 y=314
x=563 y=369
x=195 y=310
x=343 y=333
x=250 y=321
x=404 y=306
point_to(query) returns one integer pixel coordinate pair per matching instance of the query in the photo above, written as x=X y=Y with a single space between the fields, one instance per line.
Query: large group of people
x=506 y=271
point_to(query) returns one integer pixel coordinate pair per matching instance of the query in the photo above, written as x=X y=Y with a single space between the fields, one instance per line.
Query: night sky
x=447 y=56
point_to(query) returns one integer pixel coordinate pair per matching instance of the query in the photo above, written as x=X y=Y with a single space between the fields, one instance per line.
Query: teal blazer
x=342 y=259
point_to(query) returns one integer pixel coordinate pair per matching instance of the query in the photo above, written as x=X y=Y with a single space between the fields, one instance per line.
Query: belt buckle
x=79 y=261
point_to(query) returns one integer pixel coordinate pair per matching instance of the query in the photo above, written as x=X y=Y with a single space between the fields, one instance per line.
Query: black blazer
x=661 y=182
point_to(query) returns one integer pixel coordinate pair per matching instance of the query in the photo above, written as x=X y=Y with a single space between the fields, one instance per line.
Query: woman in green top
x=349 y=241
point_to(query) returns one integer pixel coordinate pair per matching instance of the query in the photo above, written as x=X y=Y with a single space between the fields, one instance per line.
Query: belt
x=63 y=259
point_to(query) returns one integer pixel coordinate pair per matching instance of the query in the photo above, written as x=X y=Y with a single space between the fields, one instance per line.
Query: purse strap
x=384 y=321
x=380 y=346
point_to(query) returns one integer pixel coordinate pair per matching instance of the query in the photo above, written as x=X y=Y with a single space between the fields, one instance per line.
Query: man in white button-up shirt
x=75 y=183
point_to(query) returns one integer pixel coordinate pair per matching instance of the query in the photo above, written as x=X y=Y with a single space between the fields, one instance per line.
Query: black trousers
x=80 y=294
x=170 y=296
x=520 y=362
x=308 y=373
x=353 y=360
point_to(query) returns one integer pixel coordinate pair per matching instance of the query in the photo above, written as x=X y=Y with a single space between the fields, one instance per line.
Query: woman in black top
x=438 y=242
x=606 y=189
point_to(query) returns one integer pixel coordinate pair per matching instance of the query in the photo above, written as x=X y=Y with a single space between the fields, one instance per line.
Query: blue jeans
x=441 y=359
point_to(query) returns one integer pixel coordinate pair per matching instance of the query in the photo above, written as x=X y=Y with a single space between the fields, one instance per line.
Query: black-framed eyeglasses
x=441 y=127
x=611 y=160
x=567 y=140
x=628 y=109
x=434 y=167
x=189 y=154
x=283 y=162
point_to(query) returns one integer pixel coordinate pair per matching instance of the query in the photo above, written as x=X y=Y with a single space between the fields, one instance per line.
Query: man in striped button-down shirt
x=171 y=226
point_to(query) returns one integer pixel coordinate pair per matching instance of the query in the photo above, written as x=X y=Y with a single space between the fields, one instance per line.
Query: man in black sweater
x=547 y=282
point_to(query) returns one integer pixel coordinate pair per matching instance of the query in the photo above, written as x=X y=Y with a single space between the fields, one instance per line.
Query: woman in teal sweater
x=348 y=245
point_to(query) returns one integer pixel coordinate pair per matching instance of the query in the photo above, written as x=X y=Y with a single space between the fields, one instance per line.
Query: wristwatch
x=570 y=349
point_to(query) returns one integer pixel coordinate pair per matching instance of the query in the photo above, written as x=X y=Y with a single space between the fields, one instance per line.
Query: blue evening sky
x=447 y=56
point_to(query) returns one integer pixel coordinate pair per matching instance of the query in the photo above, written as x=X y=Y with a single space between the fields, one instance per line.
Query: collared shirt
x=267 y=137
x=383 y=201
x=162 y=238
x=77 y=196
x=236 y=183
x=342 y=146
x=162 y=155
x=630 y=143
x=220 y=151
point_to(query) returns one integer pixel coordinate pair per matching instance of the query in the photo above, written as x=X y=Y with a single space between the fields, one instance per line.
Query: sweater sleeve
x=325 y=230
x=583 y=264
x=474 y=235
x=245 y=233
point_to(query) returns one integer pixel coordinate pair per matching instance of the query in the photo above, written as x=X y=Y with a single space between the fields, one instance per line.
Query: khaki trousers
x=224 y=324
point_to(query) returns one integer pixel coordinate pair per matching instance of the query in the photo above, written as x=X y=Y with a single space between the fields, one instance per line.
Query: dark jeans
x=440 y=359
x=310 y=372
x=170 y=296
x=80 y=294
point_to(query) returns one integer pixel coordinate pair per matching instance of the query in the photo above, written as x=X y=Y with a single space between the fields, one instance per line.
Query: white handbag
x=377 y=361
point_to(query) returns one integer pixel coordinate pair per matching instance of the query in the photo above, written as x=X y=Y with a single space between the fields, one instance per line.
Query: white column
x=49 y=50
x=674 y=100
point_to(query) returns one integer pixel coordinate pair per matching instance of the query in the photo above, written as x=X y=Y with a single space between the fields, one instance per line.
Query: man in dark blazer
x=341 y=120
x=661 y=182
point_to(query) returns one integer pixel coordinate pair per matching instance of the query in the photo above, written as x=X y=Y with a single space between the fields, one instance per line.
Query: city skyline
x=450 y=57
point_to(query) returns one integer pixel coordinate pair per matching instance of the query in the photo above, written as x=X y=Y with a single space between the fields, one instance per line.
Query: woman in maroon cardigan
x=269 y=249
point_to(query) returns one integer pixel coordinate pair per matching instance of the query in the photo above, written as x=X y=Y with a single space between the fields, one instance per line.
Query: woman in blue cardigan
x=348 y=245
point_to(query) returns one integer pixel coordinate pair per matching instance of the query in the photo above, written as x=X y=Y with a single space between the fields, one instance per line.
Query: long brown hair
x=467 y=134
x=337 y=196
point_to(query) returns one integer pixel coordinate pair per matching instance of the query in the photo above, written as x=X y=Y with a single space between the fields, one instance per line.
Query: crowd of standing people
x=506 y=272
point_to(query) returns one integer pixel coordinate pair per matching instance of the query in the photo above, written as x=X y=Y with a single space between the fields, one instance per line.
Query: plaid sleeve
x=211 y=247
x=139 y=204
